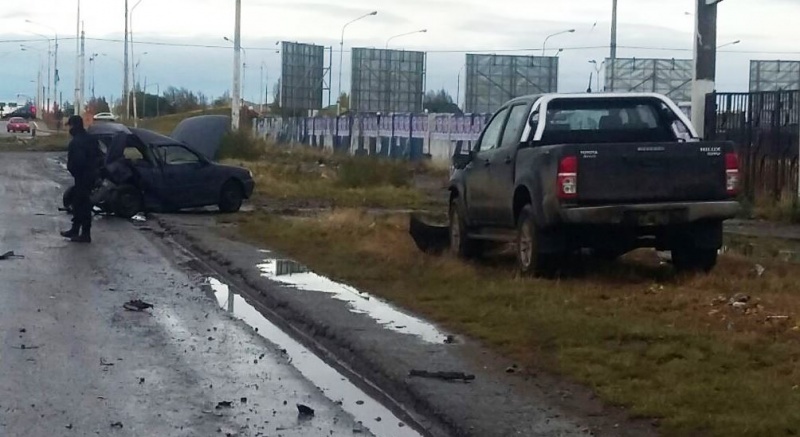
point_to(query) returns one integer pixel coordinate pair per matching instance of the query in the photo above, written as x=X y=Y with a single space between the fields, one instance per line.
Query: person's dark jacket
x=84 y=159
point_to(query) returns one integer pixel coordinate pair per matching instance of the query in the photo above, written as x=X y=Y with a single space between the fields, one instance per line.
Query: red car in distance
x=18 y=124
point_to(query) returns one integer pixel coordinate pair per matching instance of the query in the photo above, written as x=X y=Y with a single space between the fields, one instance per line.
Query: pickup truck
x=608 y=173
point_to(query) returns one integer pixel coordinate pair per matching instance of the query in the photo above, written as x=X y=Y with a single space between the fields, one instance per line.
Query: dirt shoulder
x=710 y=355
x=496 y=403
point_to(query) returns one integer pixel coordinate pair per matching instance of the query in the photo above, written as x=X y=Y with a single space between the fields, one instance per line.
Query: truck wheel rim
x=525 y=245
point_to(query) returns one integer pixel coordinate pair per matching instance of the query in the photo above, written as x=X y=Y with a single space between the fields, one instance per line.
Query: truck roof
x=601 y=95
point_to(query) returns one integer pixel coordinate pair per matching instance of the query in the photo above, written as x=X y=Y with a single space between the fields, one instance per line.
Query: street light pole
x=598 y=67
x=404 y=34
x=236 y=102
x=544 y=44
x=341 y=59
x=126 y=70
x=133 y=71
x=56 y=77
x=77 y=96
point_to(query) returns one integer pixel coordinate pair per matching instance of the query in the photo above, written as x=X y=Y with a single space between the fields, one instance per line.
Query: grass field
x=667 y=346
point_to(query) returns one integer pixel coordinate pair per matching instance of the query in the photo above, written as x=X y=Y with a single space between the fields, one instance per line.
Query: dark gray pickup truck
x=610 y=173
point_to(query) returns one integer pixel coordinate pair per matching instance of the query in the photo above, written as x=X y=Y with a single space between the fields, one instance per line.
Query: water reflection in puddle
x=374 y=416
x=293 y=274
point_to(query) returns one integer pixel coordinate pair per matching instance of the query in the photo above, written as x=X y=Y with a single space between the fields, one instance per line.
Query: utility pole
x=126 y=73
x=705 y=60
x=56 y=76
x=610 y=80
x=82 y=66
x=237 y=65
x=77 y=103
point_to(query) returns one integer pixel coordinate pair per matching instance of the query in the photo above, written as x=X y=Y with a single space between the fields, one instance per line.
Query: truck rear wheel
x=530 y=260
x=460 y=244
x=693 y=259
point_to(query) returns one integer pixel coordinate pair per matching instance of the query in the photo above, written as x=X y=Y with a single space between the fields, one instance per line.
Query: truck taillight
x=732 y=173
x=568 y=178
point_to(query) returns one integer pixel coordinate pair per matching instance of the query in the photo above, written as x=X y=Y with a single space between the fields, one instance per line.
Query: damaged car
x=145 y=171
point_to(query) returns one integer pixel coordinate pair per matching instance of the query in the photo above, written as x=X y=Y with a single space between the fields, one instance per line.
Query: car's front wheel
x=127 y=202
x=460 y=244
x=231 y=197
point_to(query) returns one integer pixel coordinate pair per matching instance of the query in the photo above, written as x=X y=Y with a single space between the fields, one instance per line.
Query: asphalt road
x=74 y=362
x=4 y=132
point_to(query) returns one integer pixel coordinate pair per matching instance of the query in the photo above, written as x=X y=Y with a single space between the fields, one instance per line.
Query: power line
x=441 y=51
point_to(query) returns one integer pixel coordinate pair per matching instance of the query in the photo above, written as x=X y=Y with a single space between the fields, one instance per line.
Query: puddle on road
x=295 y=275
x=333 y=384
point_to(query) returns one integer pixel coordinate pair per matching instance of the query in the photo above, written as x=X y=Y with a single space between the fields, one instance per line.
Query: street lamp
x=558 y=53
x=55 y=60
x=544 y=44
x=598 y=68
x=38 y=81
x=341 y=58
x=738 y=41
x=46 y=94
x=404 y=34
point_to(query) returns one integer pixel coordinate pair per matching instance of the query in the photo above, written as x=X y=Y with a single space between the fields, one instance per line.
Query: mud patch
x=295 y=275
x=370 y=413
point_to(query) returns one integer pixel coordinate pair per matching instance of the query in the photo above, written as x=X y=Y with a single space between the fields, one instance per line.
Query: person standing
x=83 y=163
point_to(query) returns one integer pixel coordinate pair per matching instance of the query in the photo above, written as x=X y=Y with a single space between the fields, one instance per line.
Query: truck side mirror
x=461 y=159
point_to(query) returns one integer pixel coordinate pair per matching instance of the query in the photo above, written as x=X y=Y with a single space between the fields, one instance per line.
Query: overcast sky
x=647 y=28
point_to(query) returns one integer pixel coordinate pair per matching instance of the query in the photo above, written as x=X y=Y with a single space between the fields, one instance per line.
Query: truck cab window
x=491 y=135
x=514 y=127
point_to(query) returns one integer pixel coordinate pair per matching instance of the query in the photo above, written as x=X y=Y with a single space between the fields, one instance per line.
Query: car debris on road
x=137 y=305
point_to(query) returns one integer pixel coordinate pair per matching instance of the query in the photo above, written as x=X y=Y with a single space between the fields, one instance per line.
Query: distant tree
x=183 y=100
x=68 y=109
x=97 y=105
x=344 y=102
x=222 y=101
x=440 y=102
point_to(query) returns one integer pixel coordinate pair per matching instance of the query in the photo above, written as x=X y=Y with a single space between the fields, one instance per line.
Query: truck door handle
x=508 y=160
x=486 y=162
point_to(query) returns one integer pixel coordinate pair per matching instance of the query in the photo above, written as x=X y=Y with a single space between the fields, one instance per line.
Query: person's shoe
x=84 y=238
x=72 y=233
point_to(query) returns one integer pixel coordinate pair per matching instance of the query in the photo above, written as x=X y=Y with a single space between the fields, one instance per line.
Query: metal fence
x=765 y=126
x=402 y=136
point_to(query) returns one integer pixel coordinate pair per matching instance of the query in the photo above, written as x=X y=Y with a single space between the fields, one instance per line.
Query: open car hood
x=203 y=133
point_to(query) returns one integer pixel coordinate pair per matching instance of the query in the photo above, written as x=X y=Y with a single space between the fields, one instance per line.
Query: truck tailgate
x=647 y=172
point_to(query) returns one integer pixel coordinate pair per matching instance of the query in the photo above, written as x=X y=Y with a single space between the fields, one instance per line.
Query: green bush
x=366 y=172
x=240 y=145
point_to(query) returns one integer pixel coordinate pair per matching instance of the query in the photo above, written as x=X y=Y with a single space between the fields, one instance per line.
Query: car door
x=187 y=177
x=477 y=172
x=500 y=183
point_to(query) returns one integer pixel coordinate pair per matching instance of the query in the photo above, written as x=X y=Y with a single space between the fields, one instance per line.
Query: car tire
x=127 y=202
x=460 y=244
x=694 y=260
x=231 y=197
x=530 y=260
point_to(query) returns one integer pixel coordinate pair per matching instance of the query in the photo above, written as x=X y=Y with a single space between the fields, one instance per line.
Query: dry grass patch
x=667 y=346
x=50 y=143
x=305 y=176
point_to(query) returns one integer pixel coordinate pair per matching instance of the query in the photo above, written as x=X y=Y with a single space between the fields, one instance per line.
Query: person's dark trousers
x=82 y=212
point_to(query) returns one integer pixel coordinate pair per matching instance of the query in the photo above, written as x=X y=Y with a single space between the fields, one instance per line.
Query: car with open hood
x=153 y=172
